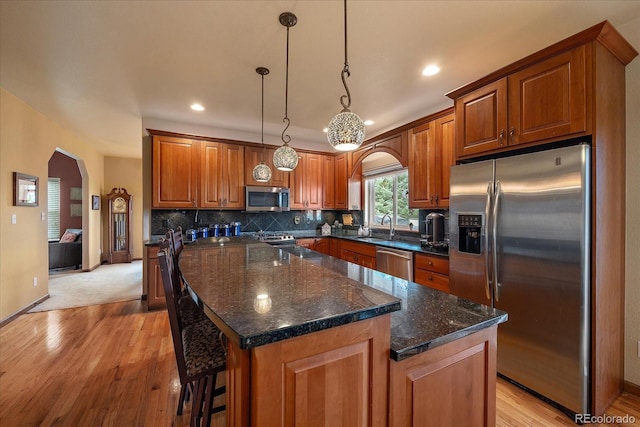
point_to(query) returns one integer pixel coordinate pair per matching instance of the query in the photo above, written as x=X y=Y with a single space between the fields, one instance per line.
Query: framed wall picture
x=95 y=203
x=76 y=193
x=75 y=209
x=25 y=189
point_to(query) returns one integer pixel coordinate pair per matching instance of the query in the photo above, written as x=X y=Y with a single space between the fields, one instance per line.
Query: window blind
x=53 y=207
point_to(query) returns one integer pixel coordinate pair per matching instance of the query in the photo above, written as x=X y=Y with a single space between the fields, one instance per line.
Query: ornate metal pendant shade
x=285 y=158
x=346 y=130
x=262 y=172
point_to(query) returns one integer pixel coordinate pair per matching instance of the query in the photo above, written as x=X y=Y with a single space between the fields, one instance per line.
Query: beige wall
x=631 y=32
x=125 y=173
x=27 y=141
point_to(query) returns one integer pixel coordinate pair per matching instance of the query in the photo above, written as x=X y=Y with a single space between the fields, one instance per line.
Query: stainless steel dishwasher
x=395 y=262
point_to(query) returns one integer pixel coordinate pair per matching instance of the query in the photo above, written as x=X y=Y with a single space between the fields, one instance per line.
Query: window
x=388 y=194
x=53 y=208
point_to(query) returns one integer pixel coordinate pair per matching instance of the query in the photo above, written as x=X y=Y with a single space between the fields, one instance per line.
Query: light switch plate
x=14 y=218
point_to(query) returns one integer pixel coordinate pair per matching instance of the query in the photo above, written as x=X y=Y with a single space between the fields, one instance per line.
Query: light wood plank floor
x=113 y=365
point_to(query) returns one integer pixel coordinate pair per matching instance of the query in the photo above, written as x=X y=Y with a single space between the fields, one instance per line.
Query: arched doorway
x=65 y=212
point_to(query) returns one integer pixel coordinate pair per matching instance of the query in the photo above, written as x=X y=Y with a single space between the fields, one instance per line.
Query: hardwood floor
x=113 y=365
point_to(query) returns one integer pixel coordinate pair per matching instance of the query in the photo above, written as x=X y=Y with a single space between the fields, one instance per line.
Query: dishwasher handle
x=398 y=254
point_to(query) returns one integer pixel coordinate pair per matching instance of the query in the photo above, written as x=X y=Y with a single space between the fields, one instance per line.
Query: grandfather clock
x=119 y=202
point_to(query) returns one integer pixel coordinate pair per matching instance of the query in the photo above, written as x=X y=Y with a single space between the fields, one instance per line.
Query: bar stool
x=199 y=350
x=189 y=310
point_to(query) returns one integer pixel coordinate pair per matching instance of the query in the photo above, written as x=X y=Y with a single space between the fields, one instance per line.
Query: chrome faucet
x=391 y=231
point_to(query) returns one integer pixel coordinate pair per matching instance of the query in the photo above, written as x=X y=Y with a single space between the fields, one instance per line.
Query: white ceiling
x=107 y=69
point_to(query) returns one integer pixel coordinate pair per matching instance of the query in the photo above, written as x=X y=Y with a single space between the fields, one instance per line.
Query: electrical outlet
x=639 y=348
x=43 y=217
x=35 y=282
x=14 y=218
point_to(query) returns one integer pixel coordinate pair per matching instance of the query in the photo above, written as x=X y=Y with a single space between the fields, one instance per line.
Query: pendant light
x=285 y=158
x=262 y=172
x=346 y=130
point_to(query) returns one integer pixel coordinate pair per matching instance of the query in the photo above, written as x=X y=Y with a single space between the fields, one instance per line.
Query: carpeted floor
x=107 y=283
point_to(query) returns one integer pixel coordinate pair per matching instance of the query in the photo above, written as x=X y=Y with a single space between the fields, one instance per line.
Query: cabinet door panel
x=211 y=167
x=329 y=182
x=423 y=177
x=313 y=175
x=547 y=100
x=446 y=136
x=233 y=177
x=175 y=172
x=341 y=182
x=253 y=156
x=481 y=119
x=297 y=189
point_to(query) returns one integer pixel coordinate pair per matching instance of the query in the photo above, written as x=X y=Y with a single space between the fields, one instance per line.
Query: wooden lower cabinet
x=155 y=291
x=431 y=271
x=450 y=385
x=334 y=377
x=358 y=253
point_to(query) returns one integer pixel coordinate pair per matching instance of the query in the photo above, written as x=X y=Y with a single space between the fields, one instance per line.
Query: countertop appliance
x=395 y=262
x=266 y=199
x=519 y=241
x=435 y=227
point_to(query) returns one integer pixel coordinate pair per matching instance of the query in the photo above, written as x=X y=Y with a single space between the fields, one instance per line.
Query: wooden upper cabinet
x=481 y=119
x=222 y=175
x=341 y=192
x=547 y=100
x=395 y=144
x=306 y=182
x=252 y=157
x=541 y=103
x=422 y=166
x=445 y=136
x=431 y=148
x=329 y=182
x=175 y=172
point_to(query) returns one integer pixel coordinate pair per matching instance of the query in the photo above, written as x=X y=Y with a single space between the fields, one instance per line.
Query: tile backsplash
x=163 y=220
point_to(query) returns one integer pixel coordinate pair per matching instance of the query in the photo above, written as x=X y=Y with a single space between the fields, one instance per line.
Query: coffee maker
x=435 y=227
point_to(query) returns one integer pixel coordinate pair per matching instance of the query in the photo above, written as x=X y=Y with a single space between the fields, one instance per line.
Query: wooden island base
x=337 y=376
x=343 y=376
x=454 y=384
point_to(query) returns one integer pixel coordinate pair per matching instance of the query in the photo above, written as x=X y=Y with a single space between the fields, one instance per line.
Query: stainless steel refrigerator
x=519 y=241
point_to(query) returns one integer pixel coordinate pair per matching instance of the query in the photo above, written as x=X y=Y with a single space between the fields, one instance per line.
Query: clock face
x=119 y=205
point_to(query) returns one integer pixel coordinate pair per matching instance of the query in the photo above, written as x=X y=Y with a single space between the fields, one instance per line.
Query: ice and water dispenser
x=469 y=233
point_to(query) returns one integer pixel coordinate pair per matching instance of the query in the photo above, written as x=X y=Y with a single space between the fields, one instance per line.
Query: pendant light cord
x=286 y=138
x=345 y=71
x=262 y=129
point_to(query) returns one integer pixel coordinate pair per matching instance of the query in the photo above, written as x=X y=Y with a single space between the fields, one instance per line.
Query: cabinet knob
x=501 y=136
x=437 y=198
x=430 y=263
x=430 y=278
x=512 y=133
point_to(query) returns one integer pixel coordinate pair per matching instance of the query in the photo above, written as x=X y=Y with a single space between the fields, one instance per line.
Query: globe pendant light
x=285 y=158
x=262 y=172
x=346 y=130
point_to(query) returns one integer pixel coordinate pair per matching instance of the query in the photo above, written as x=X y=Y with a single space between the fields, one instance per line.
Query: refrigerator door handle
x=486 y=240
x=494 y=235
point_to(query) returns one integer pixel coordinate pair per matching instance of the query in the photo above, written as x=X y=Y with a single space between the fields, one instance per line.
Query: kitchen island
x=314 y=340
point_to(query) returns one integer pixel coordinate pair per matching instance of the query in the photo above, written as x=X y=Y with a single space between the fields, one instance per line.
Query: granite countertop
x=428 y=318
x=258 y=294
x=408 y=245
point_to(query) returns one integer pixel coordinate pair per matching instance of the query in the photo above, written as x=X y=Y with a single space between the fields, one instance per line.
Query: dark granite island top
x=308 y=291
x=428 y=318
x=258 y=294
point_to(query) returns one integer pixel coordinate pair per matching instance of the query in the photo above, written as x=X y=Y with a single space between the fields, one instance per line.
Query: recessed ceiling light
x=197 y=107
x=368 y=122
x=325 y=130
x=430 y=70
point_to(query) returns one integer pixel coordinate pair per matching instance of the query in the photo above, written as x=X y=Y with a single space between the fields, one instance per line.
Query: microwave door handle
x=487 y=208
x=496 y=206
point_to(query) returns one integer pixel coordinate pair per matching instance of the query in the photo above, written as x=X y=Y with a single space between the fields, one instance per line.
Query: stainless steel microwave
x=267 y=199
